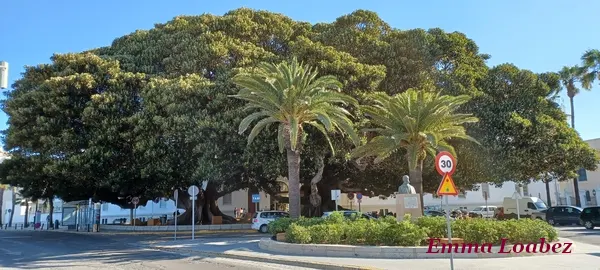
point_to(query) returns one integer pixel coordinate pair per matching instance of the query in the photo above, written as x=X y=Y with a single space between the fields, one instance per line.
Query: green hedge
x=389 y=232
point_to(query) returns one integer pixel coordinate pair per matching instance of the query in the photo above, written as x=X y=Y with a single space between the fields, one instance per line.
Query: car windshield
x=478 y=209
x=540 y=205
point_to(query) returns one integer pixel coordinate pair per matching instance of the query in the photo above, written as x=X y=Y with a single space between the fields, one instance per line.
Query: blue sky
x=534 y=34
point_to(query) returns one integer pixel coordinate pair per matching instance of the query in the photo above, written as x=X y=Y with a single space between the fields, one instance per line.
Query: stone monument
x=408 y=201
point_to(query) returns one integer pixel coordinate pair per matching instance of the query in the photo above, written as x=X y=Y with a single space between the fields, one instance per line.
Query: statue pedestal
x=408 y=204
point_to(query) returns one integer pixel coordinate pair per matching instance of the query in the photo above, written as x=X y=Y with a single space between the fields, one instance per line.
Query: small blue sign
x=255 y=198
x=359 y=196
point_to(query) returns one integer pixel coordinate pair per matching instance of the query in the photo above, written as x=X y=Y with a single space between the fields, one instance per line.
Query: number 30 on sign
x=445 y=163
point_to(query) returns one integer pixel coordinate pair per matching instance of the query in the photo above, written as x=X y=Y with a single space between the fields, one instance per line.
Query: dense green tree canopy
x=151 y=112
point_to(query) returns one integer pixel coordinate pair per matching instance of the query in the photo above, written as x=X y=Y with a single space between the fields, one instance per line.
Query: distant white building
x=589 y=184
x=468 y=199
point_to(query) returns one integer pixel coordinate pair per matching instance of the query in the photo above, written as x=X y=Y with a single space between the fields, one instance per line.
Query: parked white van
x=527 y=206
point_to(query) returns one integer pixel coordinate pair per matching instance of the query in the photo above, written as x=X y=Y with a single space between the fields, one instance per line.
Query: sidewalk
x=584 y=256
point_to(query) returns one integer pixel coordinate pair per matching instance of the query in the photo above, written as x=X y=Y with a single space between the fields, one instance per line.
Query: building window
x=227 y=199
x=162 y=203
x=588 y=198
x=525 y=190
x=582 y=175
x=105 y=207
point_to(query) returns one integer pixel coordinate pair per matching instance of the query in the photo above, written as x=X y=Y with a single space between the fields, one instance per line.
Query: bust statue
x=406 y=188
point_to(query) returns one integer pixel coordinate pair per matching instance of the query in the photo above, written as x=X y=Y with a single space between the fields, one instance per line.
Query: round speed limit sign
x=445 y=163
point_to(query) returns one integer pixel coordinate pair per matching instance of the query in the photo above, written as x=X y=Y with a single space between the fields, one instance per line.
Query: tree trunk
x=1 y=204
x=548 y=199
x=416 y=179
x=315 y=197
x=51 y=214
x=131 y=221
x=575 y=181
x=14 y=202
x=293 y=159
x=205 y=207
x=26 y=213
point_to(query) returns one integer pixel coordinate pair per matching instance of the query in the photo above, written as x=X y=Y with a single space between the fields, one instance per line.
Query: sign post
x=255 y=201
x=193 y=191
x=135 y=201
x=351 y=198
x=335 y=196
x=359 y=200
x=176 y=196
x=485 y=189
x=445 y=164
x=517 y=196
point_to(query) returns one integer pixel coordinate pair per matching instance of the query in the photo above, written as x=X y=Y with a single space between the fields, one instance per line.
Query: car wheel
x=588 y=225
x=552 y=222
x=263 y=228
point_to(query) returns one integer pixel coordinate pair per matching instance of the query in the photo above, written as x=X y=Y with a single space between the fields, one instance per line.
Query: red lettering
x=470 y=247
x=450 y=246
x=531 y=248
x=544 y=244
x=518 y=246
x=567 y=248
x=433 y=243
x=502 y=246
x=555 y=246
x=489 y=248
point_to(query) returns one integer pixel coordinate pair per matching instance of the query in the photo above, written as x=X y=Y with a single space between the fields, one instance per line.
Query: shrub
x=335 y=217
x=298 y=234
x=435 y=226
x=387 y=231
x=404 y=233
x=280 y=225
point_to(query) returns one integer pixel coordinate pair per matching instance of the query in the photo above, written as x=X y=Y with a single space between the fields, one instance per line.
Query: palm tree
x=419 y=122
x=292 y=96
x=570 y=77
x=591 y=68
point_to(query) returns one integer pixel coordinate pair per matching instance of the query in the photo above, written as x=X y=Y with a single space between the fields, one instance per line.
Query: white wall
x=19 y=215
x=471 y=199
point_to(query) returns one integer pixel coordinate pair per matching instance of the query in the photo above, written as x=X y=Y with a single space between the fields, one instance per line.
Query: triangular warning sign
x=447 y=186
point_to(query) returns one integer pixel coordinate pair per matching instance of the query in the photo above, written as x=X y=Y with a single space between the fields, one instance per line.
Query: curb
x=297 y=263
x=110 y=232
x=400 y=252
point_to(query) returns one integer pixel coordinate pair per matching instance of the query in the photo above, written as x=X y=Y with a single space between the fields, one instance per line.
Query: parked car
x=260 y=220
x=348 y=214
x=590 y=217
x=483 y=211
x=558 y=215
x=434 y=213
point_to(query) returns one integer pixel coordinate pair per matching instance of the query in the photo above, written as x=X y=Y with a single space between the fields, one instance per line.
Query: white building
x=110 y=212
x=589 y=184
x=468 y=199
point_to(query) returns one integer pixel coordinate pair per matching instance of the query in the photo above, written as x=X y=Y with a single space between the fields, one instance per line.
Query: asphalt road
x=56 y=250
x=580 y=234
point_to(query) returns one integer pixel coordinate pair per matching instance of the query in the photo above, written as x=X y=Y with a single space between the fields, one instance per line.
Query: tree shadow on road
x=37 y=250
